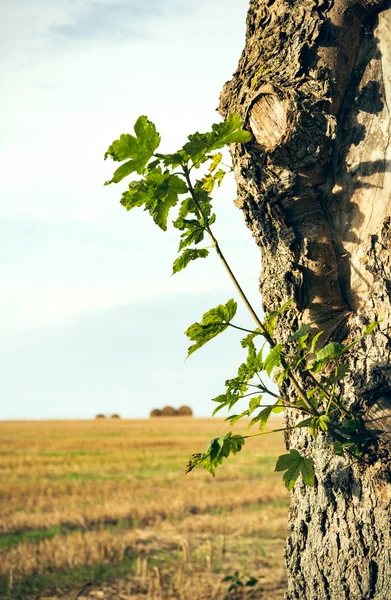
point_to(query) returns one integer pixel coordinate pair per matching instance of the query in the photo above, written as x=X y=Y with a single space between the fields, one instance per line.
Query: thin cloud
x=114 y=22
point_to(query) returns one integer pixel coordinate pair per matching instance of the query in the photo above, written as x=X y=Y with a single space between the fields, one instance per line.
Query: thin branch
x=243 y=296
x=237 y=326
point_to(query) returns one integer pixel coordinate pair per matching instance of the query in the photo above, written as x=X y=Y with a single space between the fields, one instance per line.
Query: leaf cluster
x=218 y=449
x=161 y=184
x=326 y=370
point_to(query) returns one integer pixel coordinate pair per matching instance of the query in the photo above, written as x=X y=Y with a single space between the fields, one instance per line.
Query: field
x=102 y=509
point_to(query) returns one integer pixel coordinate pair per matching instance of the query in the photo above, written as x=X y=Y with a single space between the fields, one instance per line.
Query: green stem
x=243 y=296
x=286 y=402
x=267 y=432
x=244 y=329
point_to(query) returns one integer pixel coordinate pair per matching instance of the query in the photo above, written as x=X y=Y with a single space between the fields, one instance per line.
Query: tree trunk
x=314 y=86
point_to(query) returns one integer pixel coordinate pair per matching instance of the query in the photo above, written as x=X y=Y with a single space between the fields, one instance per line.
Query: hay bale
x=169 y=411
x=185 y=411
x=115 y=416
x=156 y=412
x=100 y=416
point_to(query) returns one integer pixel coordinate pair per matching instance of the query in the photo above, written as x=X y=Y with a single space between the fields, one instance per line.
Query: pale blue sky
x=91 y=320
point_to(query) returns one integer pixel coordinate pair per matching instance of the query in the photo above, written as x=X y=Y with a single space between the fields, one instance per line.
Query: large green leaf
x=332 y=350
x=300 y=333
x=139 y=149
x=294 y=464
x=147 y=136
x=158 y=192
x=213 y=322
x=123 y=148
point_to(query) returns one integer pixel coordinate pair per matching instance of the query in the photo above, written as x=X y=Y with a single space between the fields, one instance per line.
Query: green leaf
x=219 y=176
x=264 y=415
x=350 y=426
x=158 y=192
x=338 y=449
x=271 y=321
x=246 y=341
x=165 y=197
x=315 y=423
x=285 y=307
x=306 y=423
x=261 y=418
x=147 y=136
x=300 y=333
x=283 y=374
x=122 y=171
x=228 y=132
x=370 y=328
x=123 y=148
x=237 y=387
x=218 y=449
x=273 y=359
x=254 y=404
x=294 y=464
x=223 y=401
x=332 y=350
x=208 y=183
x=174 y=160
x=187 y=256
x=203 y=199
x=213 y=322
x=278 y=407
x=194 y=234
x=235 y=418
x=254 y=361
x=140 y=149
x=315 y=341
x=324 y=422
x=187 y=206
x=271 y=318
x=216 y=160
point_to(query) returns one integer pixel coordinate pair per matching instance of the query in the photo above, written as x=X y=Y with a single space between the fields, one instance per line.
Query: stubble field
x=102 y=509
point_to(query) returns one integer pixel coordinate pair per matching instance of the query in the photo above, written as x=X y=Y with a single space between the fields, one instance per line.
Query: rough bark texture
x=314 y=86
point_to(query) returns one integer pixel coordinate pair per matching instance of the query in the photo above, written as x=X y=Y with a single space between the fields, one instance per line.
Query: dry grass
x=75 y=495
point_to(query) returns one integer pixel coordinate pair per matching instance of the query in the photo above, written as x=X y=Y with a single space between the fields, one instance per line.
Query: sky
x=91 y=320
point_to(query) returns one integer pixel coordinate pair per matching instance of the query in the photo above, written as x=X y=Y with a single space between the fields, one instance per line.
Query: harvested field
x=105 y=504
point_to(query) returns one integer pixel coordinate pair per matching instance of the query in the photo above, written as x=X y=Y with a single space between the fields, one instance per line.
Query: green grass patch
x=29 y=536
x=48 y=583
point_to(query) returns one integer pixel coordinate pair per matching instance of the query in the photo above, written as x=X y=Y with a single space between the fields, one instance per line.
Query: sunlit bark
x=314 y=86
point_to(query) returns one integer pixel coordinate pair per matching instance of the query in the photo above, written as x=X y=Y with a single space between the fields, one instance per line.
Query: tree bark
x=313 y=85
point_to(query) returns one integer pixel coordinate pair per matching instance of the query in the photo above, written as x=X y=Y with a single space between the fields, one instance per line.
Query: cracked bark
x=313 y=85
